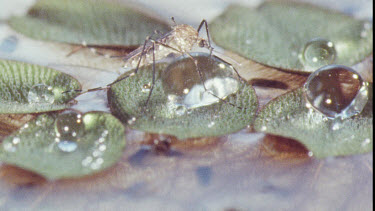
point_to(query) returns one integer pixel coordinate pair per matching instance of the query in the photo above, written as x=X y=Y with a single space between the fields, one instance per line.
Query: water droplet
x=211 y=124
x=132 y=120
x=87 y=161
x=187 y=89
x=180 y=110
x=366 y=142
x=317 y=53
x=16 y=140
x=310 y=154
x=336 y=91
x=67 y=145
x=146 y=87
x=69 y=125
x=41 y=93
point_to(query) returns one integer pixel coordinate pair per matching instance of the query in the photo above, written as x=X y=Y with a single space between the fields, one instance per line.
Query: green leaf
x=288 y=116
x=166 y=115
x=35 y=146
x=93 y=21
x=29 y=88
x=275 y=33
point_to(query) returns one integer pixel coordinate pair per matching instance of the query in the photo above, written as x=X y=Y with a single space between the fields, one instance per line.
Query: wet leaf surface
x=178 y=105
x=288 y=116
x=275 y=34
x=41 y=147
x=94 y=22
x=28 y=88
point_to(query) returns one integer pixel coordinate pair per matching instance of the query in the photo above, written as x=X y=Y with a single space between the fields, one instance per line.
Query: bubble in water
x=67 y=145
x=184 y=85
x=317 y=53
x=69 y=125
x=336 y=91
x=41 y=93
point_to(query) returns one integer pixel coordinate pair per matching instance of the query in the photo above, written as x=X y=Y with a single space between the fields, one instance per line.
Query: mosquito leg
x=153 y=74
x=204 y=22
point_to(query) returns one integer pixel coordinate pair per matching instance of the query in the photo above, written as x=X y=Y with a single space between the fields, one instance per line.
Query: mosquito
x=180 y=40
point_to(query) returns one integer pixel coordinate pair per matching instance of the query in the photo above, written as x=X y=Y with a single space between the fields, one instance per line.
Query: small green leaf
x=288 y=116
x=175 y=107
x=275 y=33
x=36 y=146
x=93 y=21
x=29 y=88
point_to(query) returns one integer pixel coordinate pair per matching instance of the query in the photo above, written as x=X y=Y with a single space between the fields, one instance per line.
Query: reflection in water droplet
x=317 y=53
x=69 y=128
x=336 y=91
x=41 y=93
x=183 y=84
x=67 y=145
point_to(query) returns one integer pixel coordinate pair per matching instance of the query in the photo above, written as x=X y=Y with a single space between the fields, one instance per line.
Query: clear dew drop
x=69 y=127
x=317 y=53
x=336 y=91
x=146 y=88
x=41 y=93
x=183 y=84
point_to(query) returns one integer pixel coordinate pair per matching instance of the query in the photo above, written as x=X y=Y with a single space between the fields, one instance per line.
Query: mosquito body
x=181 y=39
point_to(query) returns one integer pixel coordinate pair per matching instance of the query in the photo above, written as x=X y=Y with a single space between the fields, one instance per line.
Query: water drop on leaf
x=41 y=93
x=336 y=91
x=69 y=125
x=317 y=53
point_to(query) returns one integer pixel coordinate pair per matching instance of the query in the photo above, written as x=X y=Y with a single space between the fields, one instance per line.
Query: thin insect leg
x=116 y=81
x=175 y=24
x=153 y=74
x=208 y=34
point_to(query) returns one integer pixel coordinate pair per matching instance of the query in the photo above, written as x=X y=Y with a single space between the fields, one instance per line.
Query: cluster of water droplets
x=317 y=53
x=187 y=89
x=95 y=159
x=336 y=91
x=41 y=94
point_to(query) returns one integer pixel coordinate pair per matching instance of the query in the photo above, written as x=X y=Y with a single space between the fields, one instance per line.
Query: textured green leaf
x=127 y=101
x=18 y=82
x=275 y=33
x=288 y=116
x=93 y=21
x=34 y=147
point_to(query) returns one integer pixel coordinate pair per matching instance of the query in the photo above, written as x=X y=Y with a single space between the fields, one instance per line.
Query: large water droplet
x=336 y=91
x=69 y=126
x=41 y=93
x=184 y=86
x=318 y=53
